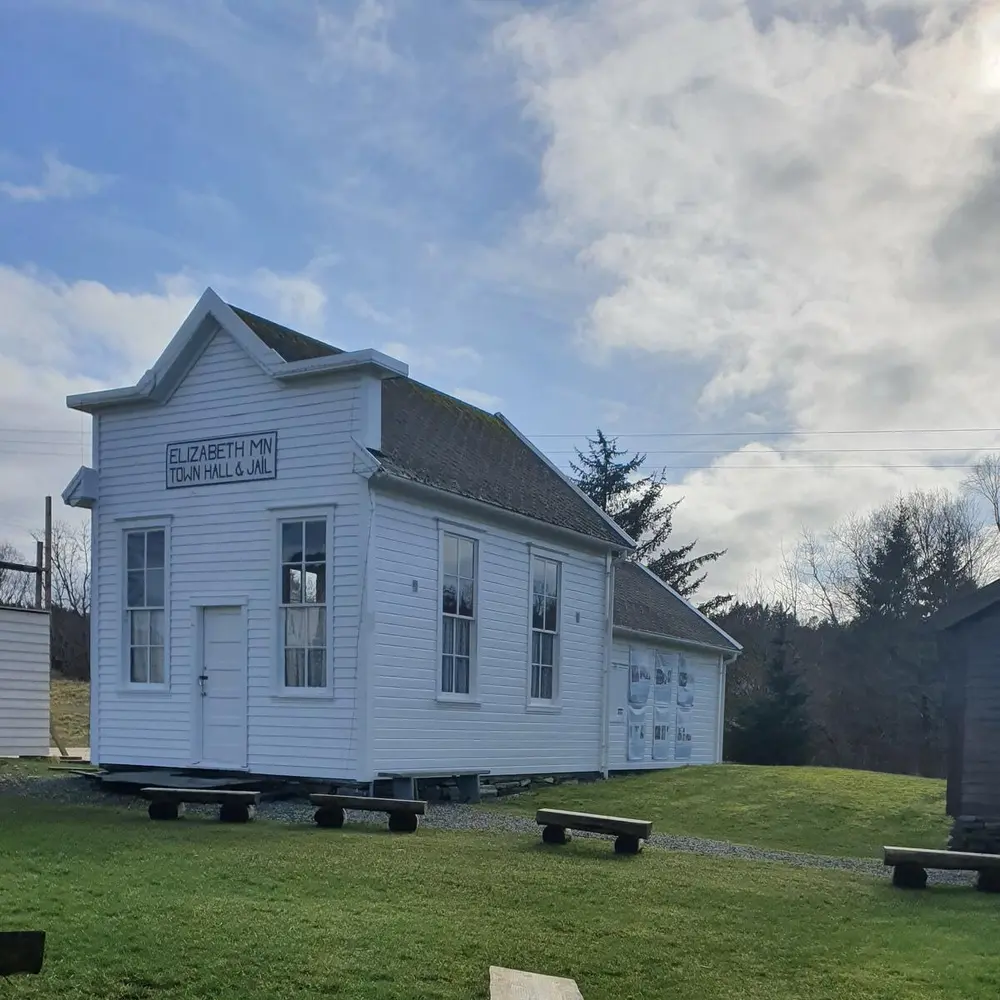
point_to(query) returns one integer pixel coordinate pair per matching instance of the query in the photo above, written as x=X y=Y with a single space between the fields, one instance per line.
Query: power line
x=808 y=451
x=787 y=433
x=797 y=466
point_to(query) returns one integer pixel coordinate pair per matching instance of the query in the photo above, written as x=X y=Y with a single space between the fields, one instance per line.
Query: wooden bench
x=910 y=864
x=513 y=984
x=404 y=783
x=403 y=813
x=629 y=833
x=168 y=803
x=21 y=952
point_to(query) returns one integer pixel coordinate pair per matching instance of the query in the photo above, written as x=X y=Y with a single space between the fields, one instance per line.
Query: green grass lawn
x=812 y=809
x=70 y=707
x=136 y=910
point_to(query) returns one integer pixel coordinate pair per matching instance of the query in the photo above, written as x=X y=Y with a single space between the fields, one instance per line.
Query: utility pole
x=48 y=552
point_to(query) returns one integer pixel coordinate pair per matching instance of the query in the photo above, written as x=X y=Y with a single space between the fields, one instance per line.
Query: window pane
x=136 y=588
x=536 y=683
x=315 y=541
x=296 y=625
x=295 y=668
x=461 y=675
x=156 y=672
x=447 y=673
x=537 y=611
x=139 y=628
x=548 y=648
x=546 y=682
x=317 y=627
x=538 y=577
x=156 y=628
x=448 y=635
x=449 y=598
x=551 y=577
x=135 y=548
x=154 y=549
x=291 y=541
x=317 y=668
x=291 y=584
x=463 y=637
x=466 y=557
x=550 y=614
x=450 y=555
x=315 y=583
x=139 y=666
x=465 y=600
x=154 y=588
x=536 y=647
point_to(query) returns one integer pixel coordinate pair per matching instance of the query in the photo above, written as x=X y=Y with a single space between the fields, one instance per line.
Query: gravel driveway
x=452 y=816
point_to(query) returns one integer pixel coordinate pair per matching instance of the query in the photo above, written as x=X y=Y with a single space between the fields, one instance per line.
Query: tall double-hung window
x=458 y=613
x=304 y=604
x=145 y=605
x=545 y=581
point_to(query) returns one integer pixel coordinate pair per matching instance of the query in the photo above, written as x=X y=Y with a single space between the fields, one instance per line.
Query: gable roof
x=969 y=606
x=644 y=603
x=289 y=344
x=432 y=438
x=427 y=436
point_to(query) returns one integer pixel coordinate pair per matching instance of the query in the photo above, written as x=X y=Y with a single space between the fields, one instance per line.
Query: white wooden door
x=223 y=687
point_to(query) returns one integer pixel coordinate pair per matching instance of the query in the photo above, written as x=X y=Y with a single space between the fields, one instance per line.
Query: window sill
x=543 y=708
x=144 y=690
x=303 y=694
x=457 y=699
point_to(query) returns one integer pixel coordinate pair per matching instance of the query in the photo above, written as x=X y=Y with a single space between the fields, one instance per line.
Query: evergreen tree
x=888 y=574
x=613 y=479
x=774 y=726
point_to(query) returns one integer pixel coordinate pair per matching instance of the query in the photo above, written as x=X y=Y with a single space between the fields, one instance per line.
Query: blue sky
x=637 y=215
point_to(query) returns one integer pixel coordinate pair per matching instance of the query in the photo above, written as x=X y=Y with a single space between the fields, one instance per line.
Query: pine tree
x=888 y=575
x=613 y=479
x=774 y=727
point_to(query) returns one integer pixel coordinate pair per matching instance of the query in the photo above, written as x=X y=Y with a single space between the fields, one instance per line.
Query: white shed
x=24 y=682
x=308 y=564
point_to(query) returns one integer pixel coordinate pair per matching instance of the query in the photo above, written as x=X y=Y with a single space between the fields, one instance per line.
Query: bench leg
x=236 y=812
x=329 y=816
x=468 y=787
x=909 y=875
x=555 y=834
x=402 y=822
x=988 y=880
x=627 y=844
x=166 y=810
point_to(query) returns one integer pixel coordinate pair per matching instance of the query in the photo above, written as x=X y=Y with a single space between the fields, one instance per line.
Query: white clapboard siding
x=24 y=682
x=222 y=543
x=702 y=720
x=412 y=730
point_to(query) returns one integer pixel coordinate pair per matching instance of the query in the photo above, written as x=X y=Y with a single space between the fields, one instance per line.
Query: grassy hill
x=70 y=707
x=811 y=809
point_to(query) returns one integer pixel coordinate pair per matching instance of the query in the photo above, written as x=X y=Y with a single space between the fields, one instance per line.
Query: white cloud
x=59 y=180
x=58 y=338
x=358 y=41
x=805 y=198
x=428 y=360
x=481 y=399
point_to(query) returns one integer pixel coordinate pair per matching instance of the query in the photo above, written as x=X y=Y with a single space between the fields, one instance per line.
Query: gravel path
x=74 y=790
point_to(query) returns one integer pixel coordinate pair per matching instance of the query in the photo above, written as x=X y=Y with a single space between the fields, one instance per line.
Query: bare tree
x=71 y=566
x=16 y=589
x=984 y=481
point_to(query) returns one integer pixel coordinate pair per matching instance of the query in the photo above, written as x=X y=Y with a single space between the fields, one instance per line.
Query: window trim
x=450 y=697
x=125 y=683
x=553 y=704
x=282 y=515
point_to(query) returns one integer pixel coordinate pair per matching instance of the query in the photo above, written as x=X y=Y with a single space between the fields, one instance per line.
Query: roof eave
x=382 y=365
x=407 y=485
x=635 y=633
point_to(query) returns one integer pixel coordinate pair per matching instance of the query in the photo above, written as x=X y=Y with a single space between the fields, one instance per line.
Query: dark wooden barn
x=970 y=648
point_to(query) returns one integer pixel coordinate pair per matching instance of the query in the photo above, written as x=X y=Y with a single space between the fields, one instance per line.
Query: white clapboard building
x=24 y=682
x=308 y=564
